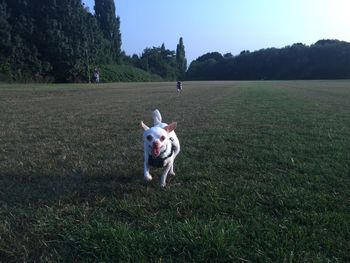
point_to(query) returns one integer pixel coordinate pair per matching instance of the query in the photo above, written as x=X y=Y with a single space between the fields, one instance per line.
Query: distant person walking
x=179 y=86
x=96 y=76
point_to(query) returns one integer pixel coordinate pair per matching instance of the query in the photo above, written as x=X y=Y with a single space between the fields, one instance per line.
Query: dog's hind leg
x=171 y=171
x=165 y=174
x=176 y=152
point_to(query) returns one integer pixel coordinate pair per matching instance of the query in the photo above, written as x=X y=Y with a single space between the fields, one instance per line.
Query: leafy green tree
x=24 y=59
x=181 y=59
x=5 y=42
x=160 y=61
x=109 y=25
x=61 y=37
x=50 y=40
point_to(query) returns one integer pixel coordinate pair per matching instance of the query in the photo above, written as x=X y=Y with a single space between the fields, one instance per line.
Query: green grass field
x=263 y=175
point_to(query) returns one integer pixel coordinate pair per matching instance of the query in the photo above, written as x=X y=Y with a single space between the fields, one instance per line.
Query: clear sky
x=229 y=25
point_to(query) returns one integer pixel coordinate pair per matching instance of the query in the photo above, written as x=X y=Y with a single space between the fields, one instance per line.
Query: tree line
x=62 y=41
x=326 y=59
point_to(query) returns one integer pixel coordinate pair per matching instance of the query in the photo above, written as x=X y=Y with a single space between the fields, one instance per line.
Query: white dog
x=161 y=146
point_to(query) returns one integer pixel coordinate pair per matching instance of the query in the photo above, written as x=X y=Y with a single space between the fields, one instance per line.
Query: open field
x=263 y=176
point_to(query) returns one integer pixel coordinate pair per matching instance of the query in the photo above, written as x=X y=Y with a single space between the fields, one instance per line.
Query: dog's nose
x=156 y=143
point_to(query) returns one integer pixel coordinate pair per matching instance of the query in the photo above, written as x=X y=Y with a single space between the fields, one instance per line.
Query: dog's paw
x=148 y=177
x=172 y=173
x=163 y=185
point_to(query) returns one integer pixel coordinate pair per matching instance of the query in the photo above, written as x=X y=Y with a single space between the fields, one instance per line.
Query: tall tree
x=24 y=57
x=160 y=61
x=110 y=25
x=181 y=60
x=61 y=30
x=5 y=42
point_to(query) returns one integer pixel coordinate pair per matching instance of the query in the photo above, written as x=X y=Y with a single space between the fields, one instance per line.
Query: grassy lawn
x=263 y=175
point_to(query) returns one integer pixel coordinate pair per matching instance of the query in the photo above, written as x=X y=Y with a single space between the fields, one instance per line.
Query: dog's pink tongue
x=156 y=151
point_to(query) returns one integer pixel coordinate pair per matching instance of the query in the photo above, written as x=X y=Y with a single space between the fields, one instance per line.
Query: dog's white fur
x=159 y=141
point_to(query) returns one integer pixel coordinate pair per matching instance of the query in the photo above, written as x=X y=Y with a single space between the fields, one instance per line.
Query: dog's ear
x=170 y=127
x=144 y=126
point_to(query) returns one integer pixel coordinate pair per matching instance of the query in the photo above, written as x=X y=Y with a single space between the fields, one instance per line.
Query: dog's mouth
x=155 y=151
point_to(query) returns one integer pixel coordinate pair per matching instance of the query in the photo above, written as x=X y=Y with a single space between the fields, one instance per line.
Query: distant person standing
x=96 y=75
x=179 y=86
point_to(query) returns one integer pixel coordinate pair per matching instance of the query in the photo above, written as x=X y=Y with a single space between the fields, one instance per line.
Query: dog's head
x=156 y=138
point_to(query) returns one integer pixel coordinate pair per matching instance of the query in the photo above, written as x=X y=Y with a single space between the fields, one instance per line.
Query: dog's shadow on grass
x=23 y=190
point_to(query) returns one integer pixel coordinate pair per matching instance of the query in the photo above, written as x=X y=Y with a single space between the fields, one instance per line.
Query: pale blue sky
x=229 y=25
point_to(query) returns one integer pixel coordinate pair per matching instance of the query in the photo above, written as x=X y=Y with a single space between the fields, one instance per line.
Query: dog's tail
x=157 y=118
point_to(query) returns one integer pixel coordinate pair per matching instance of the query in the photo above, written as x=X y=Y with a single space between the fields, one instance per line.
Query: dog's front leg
x=167 y=168
x=146 y=174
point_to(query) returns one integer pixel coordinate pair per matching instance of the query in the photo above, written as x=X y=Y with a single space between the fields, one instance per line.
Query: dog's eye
x=149 y=137
x=162 y=138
